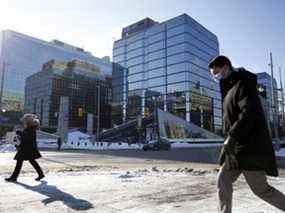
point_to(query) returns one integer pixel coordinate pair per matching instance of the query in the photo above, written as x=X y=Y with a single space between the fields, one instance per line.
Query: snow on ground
x=281 y=153
x=141 y=191
x=7 y=148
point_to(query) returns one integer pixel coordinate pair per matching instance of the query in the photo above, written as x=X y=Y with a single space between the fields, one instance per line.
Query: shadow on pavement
x=55 y=194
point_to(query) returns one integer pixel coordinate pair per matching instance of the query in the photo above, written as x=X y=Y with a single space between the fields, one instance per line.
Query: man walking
x=248 y=148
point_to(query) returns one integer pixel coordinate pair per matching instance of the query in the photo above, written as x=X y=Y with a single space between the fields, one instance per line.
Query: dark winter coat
x=244 y=120
x=28 y=149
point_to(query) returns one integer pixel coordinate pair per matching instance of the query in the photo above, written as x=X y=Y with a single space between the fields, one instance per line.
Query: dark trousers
x=19 y=165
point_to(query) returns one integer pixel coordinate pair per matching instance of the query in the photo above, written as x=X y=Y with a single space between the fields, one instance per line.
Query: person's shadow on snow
x=55 y=194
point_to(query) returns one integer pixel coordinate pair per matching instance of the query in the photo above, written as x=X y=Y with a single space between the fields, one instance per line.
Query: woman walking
x=28 y=149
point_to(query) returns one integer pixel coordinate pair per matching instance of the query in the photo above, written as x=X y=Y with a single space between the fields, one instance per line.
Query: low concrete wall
x=199 y=154
x=281 y=162
x=210 y=155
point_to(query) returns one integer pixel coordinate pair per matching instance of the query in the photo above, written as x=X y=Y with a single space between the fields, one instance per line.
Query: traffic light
x=261 y=90
x=146 y=112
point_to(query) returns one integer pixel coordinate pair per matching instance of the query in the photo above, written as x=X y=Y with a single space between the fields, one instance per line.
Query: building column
x=63 y=118
x=165 y=44
x=188 y=106
x=165 y=102
x=125 y=82
x=143 y=104
x=90 y=123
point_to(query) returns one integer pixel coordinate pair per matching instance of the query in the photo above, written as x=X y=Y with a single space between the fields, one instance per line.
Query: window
x=156 y=37
x=177 y=68
x=156 y=72
x=119 y=58
x=176 y=49
x=176 y=58
x=136 y=85
x=155 y=29
x=178 y=77
x=134 y=53
x=135 y=61
x=177 y=87
x=176 y=40
x=160 y=89
x=177 y=21
x=136 y=77
x=156 y=81
x=135 y=69
x=118 y=51
x=156 y=64
x=175 y=30
x=135 y=45
x=156 y=55
x=156 y=46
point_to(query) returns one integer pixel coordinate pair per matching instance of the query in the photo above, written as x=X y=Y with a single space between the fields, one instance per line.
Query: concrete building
x=85 y=85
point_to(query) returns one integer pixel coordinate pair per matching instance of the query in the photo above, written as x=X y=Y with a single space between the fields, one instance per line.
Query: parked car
x=156 y=145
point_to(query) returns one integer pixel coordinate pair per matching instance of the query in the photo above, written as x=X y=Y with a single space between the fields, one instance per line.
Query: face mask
x=218 y=77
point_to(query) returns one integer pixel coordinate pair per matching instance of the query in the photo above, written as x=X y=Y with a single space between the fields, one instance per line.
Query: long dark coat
x=28 y=149
x=244 y=120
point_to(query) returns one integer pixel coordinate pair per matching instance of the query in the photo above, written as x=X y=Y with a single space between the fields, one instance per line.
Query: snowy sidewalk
x=137 y=191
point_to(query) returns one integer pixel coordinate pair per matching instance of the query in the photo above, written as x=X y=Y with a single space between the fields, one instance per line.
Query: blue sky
x=247 y=29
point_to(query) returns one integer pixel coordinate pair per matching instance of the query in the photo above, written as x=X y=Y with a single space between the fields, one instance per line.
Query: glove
x=17 y=147
x=19 y=133
x=230 y=151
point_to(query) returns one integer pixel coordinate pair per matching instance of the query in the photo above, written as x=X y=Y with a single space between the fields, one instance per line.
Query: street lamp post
x=139 y=126
x=273 y=99
x=282 y=95
x=4 y=64
x=2 y=83
x=4 y=69
x=156 y=125
x=98 y=112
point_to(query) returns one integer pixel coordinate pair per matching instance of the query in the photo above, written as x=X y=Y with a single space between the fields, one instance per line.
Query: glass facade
x=25 y=55
x=264 y=79
x=117 y=95
x=81 y=84
x=166 y=64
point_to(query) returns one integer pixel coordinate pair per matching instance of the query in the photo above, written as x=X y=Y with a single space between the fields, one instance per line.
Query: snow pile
x=79 y=140
x=117 y=146
x=280 y=153
x=7 y=148
x=87 y=144
x=77 y=135
x=47 y=143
